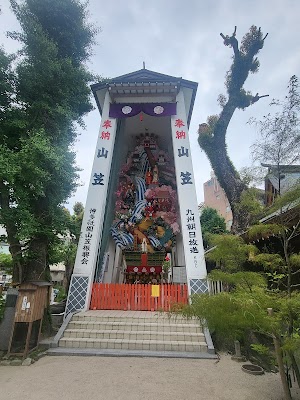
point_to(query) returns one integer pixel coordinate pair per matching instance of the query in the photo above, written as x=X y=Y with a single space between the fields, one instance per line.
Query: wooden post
x=278 y=352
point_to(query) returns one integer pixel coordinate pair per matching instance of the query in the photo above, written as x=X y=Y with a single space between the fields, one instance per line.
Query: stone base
x=238 y=358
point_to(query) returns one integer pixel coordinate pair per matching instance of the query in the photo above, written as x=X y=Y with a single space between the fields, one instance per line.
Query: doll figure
x=155 y=174
x=148 y=177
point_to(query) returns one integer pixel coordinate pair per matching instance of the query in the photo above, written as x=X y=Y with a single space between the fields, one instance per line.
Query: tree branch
x=296 y=285
x=257 y=97
x=295 y=228
x=231 y=41
x=295 y=272
x=265 y=37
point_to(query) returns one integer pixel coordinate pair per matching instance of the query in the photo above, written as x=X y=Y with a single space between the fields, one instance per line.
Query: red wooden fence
x=114 y=296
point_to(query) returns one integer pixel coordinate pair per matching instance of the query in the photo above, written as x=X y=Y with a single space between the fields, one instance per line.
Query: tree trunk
x=278 y=352
x=69 y=271
x=36 y=267
x=295 y=367
x=15 y=250
x=286 y=389
x=229 y=180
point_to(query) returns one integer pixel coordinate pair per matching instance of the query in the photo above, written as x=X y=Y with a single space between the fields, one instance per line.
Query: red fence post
x=110 y=296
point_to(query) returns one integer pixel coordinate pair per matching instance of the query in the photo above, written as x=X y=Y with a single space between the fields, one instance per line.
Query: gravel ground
x=113 y=378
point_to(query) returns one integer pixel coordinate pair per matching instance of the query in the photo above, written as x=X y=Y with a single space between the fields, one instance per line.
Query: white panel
x=111 y=251
x=189 y=215
x=92 y=224
x=144 y=99
x=179 y=251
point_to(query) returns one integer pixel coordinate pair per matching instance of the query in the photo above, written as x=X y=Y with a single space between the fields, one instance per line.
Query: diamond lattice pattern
x=198 y=286
x=77 y=294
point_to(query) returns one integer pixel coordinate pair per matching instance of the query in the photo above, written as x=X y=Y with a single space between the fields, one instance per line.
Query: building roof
x=289 y=176
x=146 y=83
x=282 y=168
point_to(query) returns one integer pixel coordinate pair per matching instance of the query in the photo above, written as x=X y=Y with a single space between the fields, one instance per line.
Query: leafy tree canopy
x=45 y=94
x=6 y=263
x=211 y=221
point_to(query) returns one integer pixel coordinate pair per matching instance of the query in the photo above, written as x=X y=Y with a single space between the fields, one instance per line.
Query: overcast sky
x=182 y=39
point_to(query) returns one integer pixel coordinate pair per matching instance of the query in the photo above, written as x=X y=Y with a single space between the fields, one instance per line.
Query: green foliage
x=64 y=248
x=233 y=315
x=260 y=349
x=61 y=295
x=282 y=267
x=251 y=43
x=242 y=280
x=45 y=96
x=78 y=209
x=76 y=220
x=257 y=306
x=62 y=251
x=211 y=221
x=6 y=263
x=287 y=201
x=292 y=343
x=295 y=260
x=68 y=27
x=250 y=204
x=263 y=231
x=269 y=261
x=230 y=251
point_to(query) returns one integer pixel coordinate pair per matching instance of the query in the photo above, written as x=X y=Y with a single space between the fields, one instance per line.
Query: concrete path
x=111 y=378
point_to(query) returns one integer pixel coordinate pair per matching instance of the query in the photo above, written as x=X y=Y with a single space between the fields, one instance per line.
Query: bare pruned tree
x=212 y=135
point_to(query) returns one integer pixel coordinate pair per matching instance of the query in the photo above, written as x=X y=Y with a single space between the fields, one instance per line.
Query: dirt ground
x=113 y=378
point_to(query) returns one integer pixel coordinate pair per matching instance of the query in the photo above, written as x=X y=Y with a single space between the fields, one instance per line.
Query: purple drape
x=125 y=110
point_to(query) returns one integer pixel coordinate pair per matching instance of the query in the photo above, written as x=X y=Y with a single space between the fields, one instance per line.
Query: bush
x=61 y=295
x=6 y=263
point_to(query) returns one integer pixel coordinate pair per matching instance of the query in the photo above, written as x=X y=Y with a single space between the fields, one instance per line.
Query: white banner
x=190 y=220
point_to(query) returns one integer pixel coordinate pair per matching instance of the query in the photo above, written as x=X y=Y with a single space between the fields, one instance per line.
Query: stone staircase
x=133 y=333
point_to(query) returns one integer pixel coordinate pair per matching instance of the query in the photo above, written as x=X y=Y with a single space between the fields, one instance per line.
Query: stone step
x=135 y=326
x=155 y=319
x=134 y=335
x=72 y=351
x=126 y=344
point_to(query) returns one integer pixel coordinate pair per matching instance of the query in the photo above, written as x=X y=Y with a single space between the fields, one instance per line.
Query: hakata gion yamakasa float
x=141 y=223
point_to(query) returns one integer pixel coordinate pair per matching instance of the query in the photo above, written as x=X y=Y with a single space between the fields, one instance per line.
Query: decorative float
x=146 y=213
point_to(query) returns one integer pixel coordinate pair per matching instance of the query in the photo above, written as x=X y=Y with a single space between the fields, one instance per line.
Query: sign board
x=155 y=290
x=179 y=274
